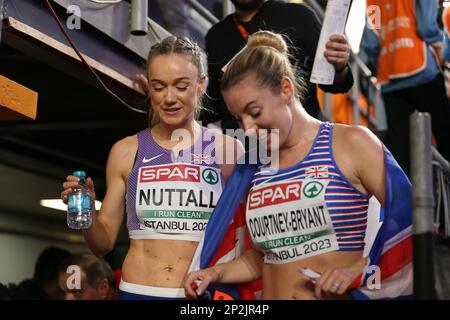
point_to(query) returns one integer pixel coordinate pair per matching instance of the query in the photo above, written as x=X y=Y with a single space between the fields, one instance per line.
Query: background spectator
x=96 y=280
x=44 y=285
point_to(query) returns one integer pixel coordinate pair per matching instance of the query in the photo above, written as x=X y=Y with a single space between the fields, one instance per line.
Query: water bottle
x=79 y=204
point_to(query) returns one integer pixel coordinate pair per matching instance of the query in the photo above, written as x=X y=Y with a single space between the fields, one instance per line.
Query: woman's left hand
x=337 y=281
x=338 y=51
x=141 y=83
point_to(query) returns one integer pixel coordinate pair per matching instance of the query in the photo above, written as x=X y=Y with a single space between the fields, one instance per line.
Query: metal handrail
x=441 y=161
x=423 y=206
x=205 y=13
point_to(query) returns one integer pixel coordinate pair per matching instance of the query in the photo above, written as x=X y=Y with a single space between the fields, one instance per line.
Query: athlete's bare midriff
x=158 y=263
x=285 y=282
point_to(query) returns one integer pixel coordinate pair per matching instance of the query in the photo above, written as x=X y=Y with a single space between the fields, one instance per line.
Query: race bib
x=290 y=221
x=177 y=198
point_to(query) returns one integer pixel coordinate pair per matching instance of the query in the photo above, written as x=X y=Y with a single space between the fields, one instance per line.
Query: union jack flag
x=201 y=158
x=226 y=238
x=391 y=251
x=317 y=172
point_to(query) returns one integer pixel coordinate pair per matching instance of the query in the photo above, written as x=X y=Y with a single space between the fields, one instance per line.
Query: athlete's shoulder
x=125 y=147
x=357 y=141
x=230 y=150
x=356 y=133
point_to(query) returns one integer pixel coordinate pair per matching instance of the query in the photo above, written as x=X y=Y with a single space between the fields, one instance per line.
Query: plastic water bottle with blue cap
x=79 y=204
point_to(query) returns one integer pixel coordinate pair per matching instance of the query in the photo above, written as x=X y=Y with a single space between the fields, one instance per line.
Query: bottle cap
x=79 y=174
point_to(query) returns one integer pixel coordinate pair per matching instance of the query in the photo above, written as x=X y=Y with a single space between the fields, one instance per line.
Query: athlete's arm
x=367 y=154
x=366 y=166
x=103 y=233
x=245 y=269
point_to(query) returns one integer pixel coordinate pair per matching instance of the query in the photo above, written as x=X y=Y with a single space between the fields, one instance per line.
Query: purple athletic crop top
x=171 y=197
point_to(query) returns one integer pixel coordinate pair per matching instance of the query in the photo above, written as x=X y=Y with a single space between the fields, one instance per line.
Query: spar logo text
x=173 y=172
x=272 y=195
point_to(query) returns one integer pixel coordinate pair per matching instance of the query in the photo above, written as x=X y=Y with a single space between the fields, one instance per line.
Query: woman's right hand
x=71 y=182
x=203 y=278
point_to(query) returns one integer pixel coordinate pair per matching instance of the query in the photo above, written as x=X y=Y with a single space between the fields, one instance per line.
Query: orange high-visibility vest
x=343 y=108
x=446 y=19
x=402 y=50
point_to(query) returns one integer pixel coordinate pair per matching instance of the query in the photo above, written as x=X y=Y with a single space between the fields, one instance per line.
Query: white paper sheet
x=334 y=22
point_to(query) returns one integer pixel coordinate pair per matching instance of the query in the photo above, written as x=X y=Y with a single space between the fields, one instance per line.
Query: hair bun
x=268 y=39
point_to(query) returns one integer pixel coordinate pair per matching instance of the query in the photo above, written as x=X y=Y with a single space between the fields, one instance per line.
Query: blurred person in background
x=95 y=282
x=44 y=285
x=405 y=53
x=298 y=23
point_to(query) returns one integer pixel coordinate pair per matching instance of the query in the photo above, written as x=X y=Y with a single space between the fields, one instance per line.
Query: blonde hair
x=186 y=47
x=267 y=57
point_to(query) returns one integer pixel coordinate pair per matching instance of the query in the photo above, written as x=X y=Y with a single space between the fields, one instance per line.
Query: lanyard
x=241 y=28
